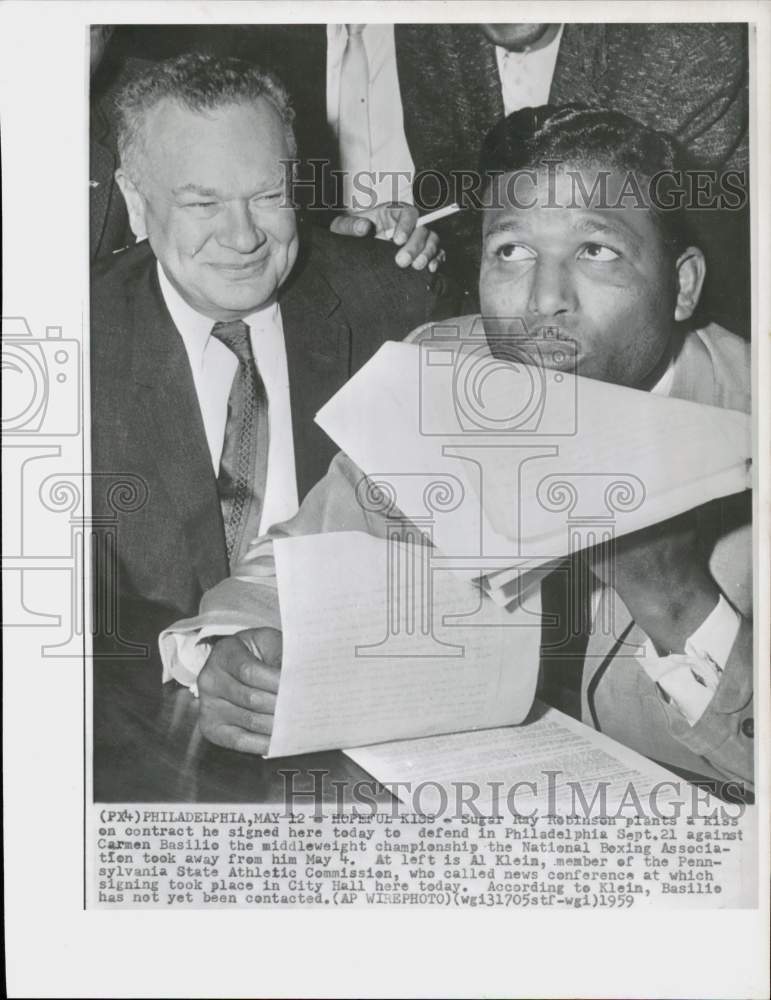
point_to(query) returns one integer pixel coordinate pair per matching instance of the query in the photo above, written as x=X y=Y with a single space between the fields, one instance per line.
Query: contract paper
x=541 y=761
x=535 y=464
x=379 y=645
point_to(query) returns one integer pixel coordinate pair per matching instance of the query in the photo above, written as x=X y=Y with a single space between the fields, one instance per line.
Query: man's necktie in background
x=353 y=120
x=244 y=461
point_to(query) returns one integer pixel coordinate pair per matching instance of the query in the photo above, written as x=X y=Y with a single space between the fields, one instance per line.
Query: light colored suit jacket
x=712 y=368
x=617 y=696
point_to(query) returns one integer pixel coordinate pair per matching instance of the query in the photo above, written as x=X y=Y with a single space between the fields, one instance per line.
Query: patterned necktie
x=244 y=461
x=353 y=116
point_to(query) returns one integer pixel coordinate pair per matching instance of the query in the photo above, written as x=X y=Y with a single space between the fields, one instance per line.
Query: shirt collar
x=195 y=328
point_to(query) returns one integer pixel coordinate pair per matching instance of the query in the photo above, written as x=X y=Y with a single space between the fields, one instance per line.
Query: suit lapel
x=613 y=635
x=318 y=350
x=454 y=70
x=101 y=167
x=482 y=103
x=581 y=65
x=174 y=432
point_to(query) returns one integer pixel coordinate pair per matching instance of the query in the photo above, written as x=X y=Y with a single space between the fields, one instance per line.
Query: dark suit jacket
x=343 y=299
x=108 y=219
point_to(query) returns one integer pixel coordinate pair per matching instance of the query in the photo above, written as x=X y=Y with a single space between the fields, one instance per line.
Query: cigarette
x=440 y=213
x=424 y=220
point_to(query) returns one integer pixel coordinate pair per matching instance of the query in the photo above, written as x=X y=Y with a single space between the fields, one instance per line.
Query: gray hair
x=200 y=83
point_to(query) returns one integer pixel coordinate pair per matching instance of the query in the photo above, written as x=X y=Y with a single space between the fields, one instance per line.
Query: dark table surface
x=147 y=748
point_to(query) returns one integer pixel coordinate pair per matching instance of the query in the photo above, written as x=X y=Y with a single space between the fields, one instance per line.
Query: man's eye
x=201 y=204
x=514 y=252
x=598 y=252
x=271 y=198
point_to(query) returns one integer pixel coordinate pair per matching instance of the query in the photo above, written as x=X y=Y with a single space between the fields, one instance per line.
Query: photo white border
x=53 y=946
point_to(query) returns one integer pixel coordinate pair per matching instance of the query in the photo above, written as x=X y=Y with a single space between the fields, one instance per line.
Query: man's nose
x=241 y=230
x=551 y=292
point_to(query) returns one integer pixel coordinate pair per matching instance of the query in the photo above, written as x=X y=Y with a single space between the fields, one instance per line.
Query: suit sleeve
x=711 y=81
x=248 y=598
x=716 y=129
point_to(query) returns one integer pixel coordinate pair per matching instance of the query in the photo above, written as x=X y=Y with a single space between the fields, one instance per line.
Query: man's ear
x=691 y=270
x=135 y=203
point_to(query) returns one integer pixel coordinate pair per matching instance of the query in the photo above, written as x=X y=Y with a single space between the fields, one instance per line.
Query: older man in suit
x=621 y=281
x=216 y=338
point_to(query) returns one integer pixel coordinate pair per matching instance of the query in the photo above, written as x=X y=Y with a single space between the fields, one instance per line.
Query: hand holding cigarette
x=400 y=223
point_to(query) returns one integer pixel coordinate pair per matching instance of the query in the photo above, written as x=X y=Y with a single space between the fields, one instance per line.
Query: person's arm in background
x=377 y=165
x=419 y=246
x=710 y=77
x=706 y=70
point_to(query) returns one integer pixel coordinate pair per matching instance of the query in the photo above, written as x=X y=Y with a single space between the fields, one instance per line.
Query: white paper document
x=379 y=645
x=537 y=765
x=514 y=464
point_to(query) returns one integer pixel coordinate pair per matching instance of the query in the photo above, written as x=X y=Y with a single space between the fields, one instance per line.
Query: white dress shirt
x=689 y=680
x=526 y=76
x=390 y=154
x=213 y=367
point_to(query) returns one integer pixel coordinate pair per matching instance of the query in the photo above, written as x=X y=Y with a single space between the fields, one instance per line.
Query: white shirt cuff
x=184 y=652
x=690 y=680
